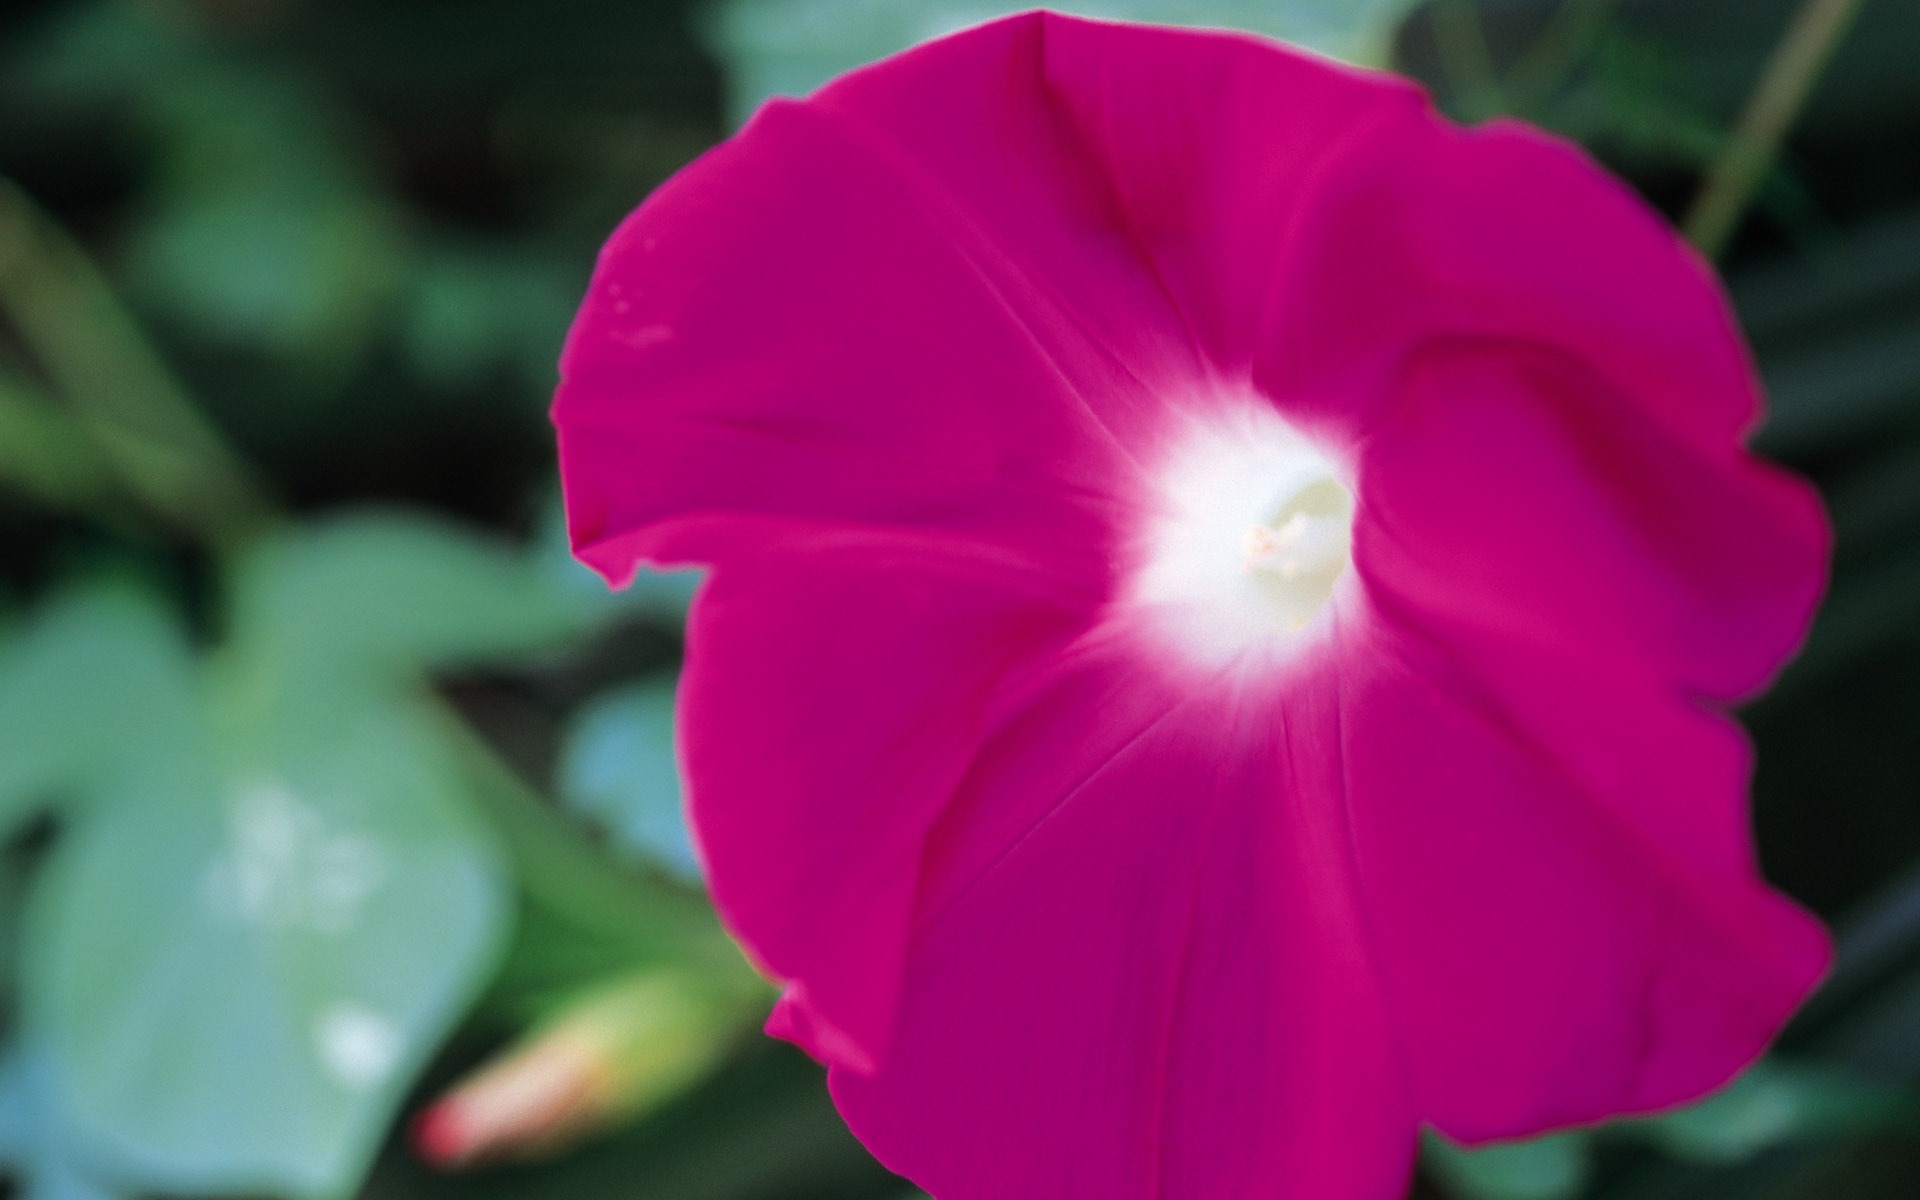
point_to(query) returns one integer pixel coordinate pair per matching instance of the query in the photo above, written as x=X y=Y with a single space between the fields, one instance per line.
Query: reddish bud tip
x=437 y=1135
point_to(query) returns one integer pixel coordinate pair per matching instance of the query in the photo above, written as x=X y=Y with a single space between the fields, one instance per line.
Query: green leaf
x=790 y=47
x=297 y=271
x=391 y=590
x=1849 y=386
x=1773 y=1103
x=100 y=682
x=1831 y=286
x=33 y=1142
x=472 y=310
x=98 y=53
x=238 y=966
x=618 y=770
x=1546 y=1168
x=262 y=228
x=1833 y=327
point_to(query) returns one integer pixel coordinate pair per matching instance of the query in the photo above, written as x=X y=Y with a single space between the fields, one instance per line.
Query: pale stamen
x=1300 y=547
x=1254 y=534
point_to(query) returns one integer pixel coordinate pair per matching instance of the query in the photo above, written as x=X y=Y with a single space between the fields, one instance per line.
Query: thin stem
x=570 y=883
x=1783 y=89
x=45 y=456
x=120 y=392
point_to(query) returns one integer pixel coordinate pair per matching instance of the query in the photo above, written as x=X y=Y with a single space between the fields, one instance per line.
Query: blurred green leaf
x=790 y=47
x=101 y=52
x=260 y=229
x=239 y=965
x=1773 y=1103
x=1643 y=104
x=293 y=271
x=32 y=1143
x=1833 y=327
x=100 y=682
x=474 y=309
x=1828 y=287
x=1545 y=1168
x=1845 y=386
x=618 y=770
x=390 y=590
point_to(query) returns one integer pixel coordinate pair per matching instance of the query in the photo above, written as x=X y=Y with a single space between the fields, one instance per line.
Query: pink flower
x=1224 y=594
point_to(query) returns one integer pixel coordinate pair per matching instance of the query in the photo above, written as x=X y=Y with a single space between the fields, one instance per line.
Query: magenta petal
x=1554 y=855
x=810 y=817
x=1550 y=813
x=1429 y=234
x=1157 y=992
x=1144 y=180
x=1514 y=489
x=888 y=375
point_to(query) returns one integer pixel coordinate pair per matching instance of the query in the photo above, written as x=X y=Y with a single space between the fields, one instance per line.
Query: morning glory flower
x=1224 y=594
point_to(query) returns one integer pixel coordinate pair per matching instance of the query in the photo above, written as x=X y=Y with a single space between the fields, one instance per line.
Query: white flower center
x=1252 y=531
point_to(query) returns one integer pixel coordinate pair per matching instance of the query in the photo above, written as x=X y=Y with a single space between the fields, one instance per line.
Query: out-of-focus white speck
x=285 y=865
x=357 y=1045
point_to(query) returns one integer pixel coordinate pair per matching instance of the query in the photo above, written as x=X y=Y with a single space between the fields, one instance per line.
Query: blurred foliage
x=790 y=47
x=292 y=655
x=617 y=771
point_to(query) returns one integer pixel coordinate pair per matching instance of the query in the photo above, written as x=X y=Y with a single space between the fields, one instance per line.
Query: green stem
x=43 y=455
x=115 y=384
x=1783 y=89
x=586 y=915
